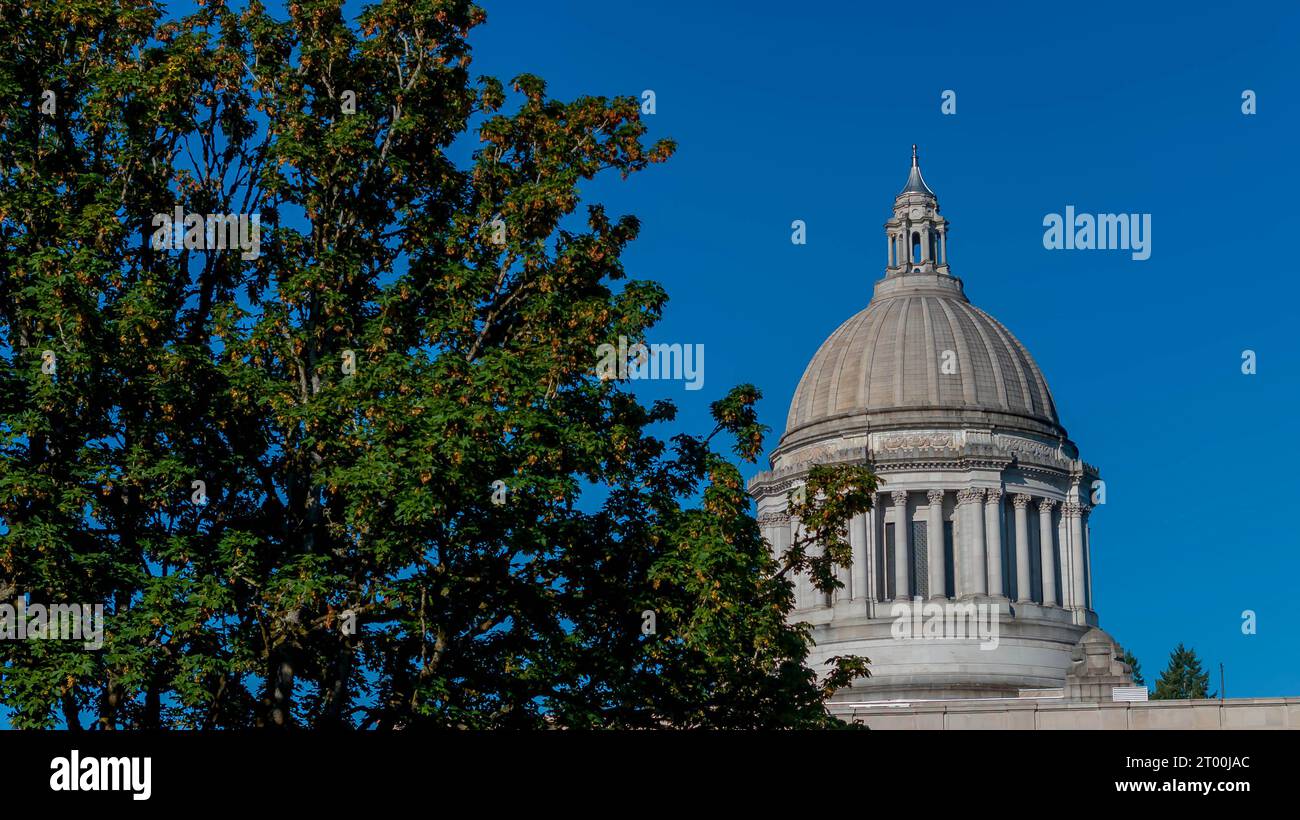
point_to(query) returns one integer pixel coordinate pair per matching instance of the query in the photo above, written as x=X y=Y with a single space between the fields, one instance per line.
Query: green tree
x=1131 y=659
x=367 y=476
x=1183 y=678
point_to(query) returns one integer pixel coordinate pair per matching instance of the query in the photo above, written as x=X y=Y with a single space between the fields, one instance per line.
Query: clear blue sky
x=808 y=111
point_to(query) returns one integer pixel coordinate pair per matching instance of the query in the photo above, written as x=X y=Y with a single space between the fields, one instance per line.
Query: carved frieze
x=1028 y=447
x=915 y=441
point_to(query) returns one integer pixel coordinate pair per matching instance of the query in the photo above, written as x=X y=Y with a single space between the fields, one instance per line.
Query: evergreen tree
x=1183 y=678
x=348 y=480
x=1130 y=659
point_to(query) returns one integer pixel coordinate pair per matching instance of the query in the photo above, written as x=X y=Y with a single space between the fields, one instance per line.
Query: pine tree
x=1130 y=659
x=1183 y=678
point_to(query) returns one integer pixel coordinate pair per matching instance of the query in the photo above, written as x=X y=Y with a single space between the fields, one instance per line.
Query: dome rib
x=864 y=385
x=932 y=356
x=1010 y=344
x=900 y=354
x=964 y=355
x=833 y=399
x=996 y=366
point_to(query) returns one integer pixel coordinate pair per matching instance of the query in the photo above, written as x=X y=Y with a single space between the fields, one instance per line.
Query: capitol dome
x=983 y=501
x=890 y=357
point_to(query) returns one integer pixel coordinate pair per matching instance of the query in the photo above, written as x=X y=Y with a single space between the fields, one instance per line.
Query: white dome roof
x=890 y=357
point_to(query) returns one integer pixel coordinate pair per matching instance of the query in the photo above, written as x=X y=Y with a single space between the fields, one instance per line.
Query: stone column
x=974 y=568
x=943 y=246
x=861 y=569
x=1078 y=580
x=800 y=578
x=934 y=534
x=1087 y=552
x=889 y=251
x=1065 y=555
x=843 y=574
x=899 y=498
x=869 y=550
x=1024 y=585
x=876 y=542
x=1064 y=587
x=925 y=244
x=993 y=529
x=773 y=524
x=1047 y=550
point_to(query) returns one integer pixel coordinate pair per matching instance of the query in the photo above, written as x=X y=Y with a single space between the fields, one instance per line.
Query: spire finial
x=915 y=184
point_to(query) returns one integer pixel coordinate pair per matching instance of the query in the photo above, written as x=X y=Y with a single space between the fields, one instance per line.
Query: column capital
x=935 y=496
x=993 y=495
x=1072 y=510
x=1046 y=504
x=1021 y=500
x=773 y=518
x=970 y=495
x=899 y=497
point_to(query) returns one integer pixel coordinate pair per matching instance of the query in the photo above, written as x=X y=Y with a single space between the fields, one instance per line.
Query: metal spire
x=915 y=183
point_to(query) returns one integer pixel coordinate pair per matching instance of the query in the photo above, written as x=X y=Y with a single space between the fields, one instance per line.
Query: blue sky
x=787 y=112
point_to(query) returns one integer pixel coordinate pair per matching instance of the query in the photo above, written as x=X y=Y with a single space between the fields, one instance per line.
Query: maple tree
x=412 y=331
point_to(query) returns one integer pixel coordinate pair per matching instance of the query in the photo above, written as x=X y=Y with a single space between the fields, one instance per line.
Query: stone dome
x=885 y=366
x=983 y=501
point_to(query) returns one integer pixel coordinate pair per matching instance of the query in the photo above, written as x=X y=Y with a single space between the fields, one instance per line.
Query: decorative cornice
x=955 y=464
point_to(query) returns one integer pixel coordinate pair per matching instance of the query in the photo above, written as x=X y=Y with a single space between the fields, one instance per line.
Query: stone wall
x=1058 y=713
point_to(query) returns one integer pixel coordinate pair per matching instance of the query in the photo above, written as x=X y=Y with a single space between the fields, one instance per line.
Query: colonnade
x=934 y=248
x=980 y=523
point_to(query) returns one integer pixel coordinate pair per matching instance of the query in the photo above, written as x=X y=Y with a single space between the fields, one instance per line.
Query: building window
x=889 y=561
x=878 y=544
x=1035 y=566
x=919 y=576
x=949 y=572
